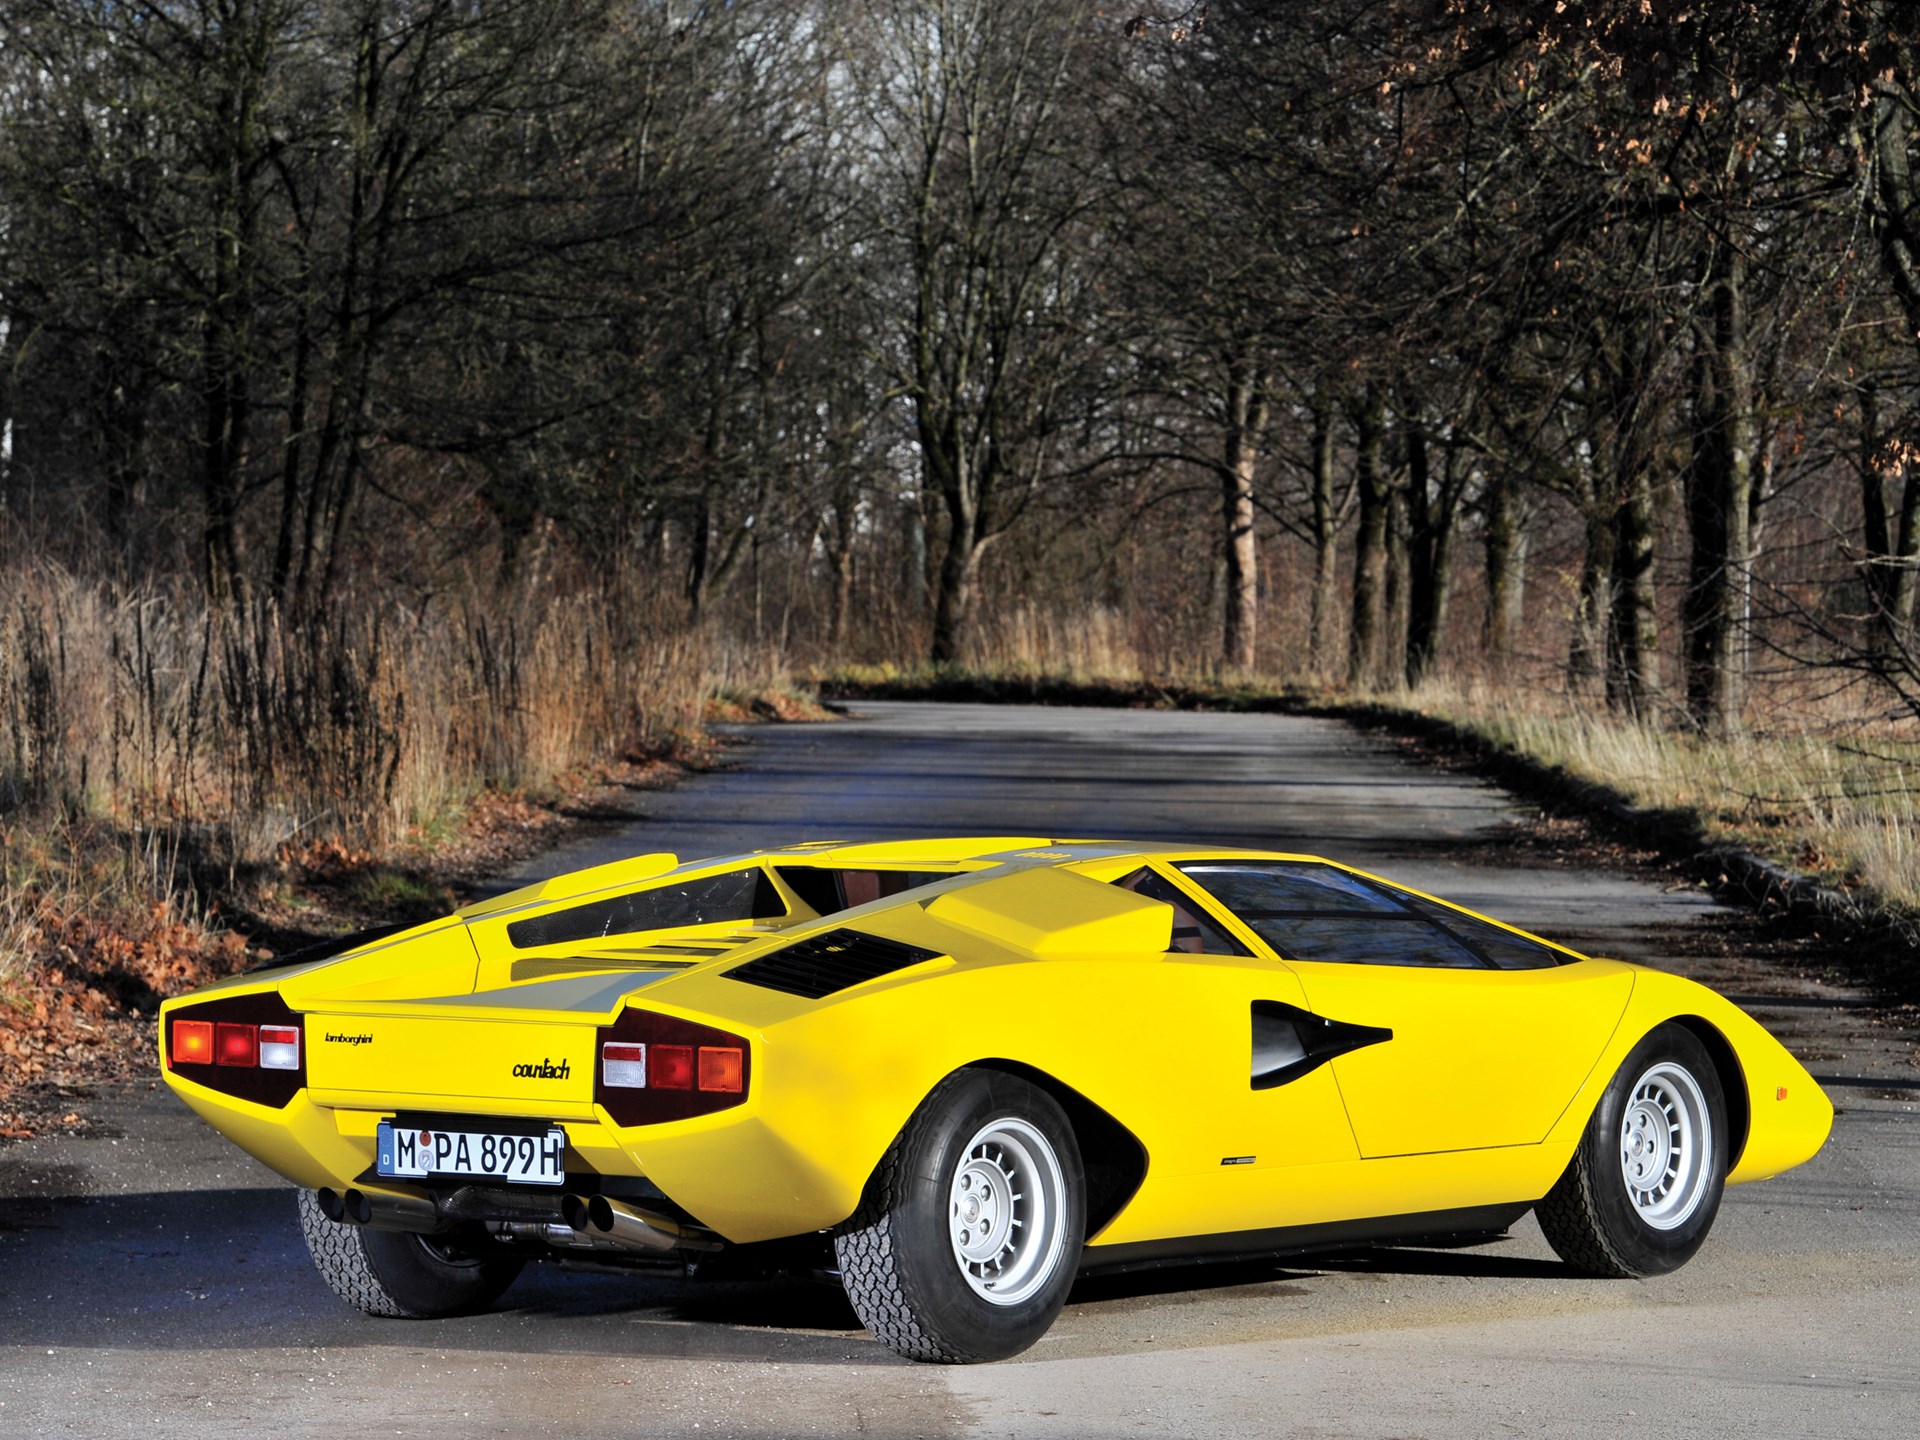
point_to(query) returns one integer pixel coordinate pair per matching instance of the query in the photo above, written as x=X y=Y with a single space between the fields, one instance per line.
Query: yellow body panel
x=1052 y=913
x=1479 y=1058
x=1478 y=1099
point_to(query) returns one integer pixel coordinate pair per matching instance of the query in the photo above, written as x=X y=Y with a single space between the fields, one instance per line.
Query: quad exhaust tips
x=379 y=1211
x=630 y=1229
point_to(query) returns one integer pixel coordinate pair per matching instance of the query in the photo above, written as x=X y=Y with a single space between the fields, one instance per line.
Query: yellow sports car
x=961 y=1072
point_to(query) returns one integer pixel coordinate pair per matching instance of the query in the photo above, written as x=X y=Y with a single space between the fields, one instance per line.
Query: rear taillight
x=624 y=1066
x=192 y=1042
x=655 y=1068
x=248 y=1046
x=279 y=1047
x=723 y=1069
x=236 y=1044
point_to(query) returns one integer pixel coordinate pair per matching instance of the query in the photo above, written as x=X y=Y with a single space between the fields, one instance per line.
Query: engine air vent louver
x=837 y=960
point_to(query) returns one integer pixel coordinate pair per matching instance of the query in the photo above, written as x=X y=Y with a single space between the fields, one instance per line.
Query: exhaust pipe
x=379 y=1211
x=627 y=1227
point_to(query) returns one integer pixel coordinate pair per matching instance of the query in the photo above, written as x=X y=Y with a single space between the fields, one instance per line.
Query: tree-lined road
x=154 y=1278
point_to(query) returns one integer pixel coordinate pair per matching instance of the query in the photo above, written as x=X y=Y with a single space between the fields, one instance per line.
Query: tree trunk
x=1891 y=540
x=1905 y=559
x=292 y=463
x=953 y=602
x=1633 y=661
x=1435 y=519
x=845 y=507
x=223 y=438
x=1246 y=418
x=1393 y=636
x=1593 y=602
x=1370 y=543
x=1326 y=535
x=1718 y=500
x=1506 y=552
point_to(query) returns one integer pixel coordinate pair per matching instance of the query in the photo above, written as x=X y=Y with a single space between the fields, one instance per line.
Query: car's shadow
x=228 y=1268
x=1290 y=1275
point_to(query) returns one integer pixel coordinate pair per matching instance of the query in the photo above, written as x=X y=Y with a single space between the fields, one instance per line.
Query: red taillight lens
x=247 y=1046
x=236 y=1045
x=655 y=1068
x=722 y=1069
x=192 y=1042
x=670 y=1067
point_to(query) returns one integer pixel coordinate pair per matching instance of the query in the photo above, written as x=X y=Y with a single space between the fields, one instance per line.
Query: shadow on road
x=227 y=1269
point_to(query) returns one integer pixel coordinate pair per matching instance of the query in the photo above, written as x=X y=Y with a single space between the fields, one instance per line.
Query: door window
x=1309 y=911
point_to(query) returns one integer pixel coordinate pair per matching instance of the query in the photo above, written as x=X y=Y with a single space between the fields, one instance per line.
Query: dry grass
x=1026 y=641
x=145 y=739
x=1824 y=781
x=1816 y=787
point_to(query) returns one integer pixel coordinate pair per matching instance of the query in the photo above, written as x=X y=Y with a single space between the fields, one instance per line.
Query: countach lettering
x=545 y=1070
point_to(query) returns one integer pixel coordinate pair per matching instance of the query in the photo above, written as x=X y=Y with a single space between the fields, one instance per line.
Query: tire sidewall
x=1642 y=1248
x=923 y=1243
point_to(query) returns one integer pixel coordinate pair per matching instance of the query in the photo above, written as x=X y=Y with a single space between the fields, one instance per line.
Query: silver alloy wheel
x=1007 y=1211
x=1666 y=1145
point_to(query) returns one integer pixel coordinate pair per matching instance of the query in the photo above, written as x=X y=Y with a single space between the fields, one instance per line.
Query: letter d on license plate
x=407 y=1153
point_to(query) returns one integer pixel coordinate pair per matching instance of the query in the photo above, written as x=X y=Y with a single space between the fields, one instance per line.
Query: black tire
x=398 y=1275
x=1599 y=1222
x=901 y=1252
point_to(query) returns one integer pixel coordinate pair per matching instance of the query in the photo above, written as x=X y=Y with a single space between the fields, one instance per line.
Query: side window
x=1315 y=912
x=1503 y=949
x=1285 y=887
x=733 y=895
x=1365 y=940
x=1192 y=934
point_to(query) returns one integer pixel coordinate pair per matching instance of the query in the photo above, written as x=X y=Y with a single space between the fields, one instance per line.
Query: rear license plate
x=407 y=1153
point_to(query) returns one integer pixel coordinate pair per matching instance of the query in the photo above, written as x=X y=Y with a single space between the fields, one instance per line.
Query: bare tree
x=973 y=184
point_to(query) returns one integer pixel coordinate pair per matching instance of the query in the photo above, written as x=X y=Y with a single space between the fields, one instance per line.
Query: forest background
x=404 y=402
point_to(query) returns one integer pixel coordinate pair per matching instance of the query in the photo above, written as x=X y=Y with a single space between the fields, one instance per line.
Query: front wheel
x=1642 y=1190
x=402 y=1276
x=967 y=1240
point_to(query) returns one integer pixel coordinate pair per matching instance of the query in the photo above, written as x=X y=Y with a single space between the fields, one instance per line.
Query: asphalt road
x=152 y=1277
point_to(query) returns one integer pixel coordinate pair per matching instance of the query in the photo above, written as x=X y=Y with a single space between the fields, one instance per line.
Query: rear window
x=737 y=895
x=827 y=890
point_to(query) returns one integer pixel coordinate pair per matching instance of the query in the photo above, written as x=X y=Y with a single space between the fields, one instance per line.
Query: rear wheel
x=1643 y=1188
x=392 y=1273
x=967 y=1240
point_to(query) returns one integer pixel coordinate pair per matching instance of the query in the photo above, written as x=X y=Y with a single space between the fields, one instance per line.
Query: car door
x=1250 y=1099
x=1465 y=1035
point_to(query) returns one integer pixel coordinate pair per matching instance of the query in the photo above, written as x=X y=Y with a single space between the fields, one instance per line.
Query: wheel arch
x=1111 y=1156
x=1733 y=1082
